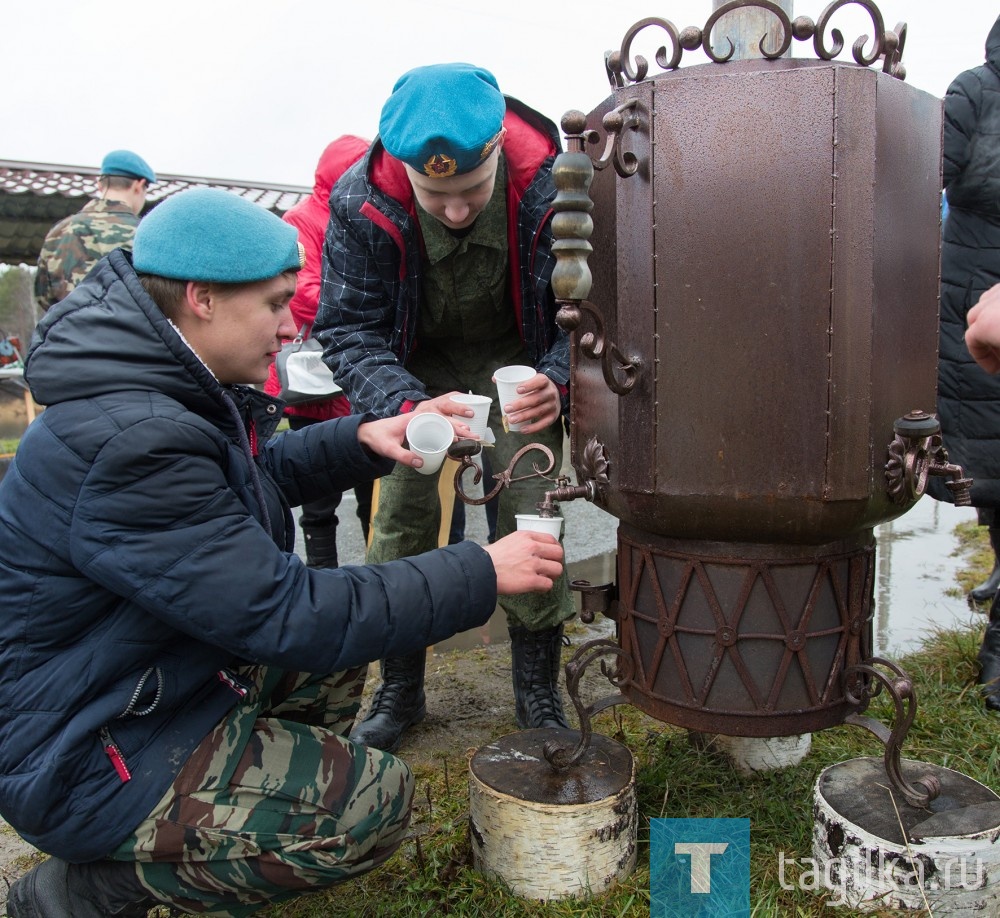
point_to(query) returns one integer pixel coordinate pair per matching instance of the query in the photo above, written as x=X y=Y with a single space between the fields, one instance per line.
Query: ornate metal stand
x=864 y=682
x=559 y=756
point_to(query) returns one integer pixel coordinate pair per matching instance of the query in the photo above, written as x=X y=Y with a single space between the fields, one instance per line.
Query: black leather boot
x=989 y=659
x=988 y=589
x=534 y=664
x=321 y=547
x=399 y=703
x=55 y=889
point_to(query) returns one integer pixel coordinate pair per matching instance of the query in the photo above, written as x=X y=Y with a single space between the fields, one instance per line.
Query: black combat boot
x=988 y=589
x=989 y=658
x=399 y=703
x=534 y=665
x=55 y=889
x=321 y=547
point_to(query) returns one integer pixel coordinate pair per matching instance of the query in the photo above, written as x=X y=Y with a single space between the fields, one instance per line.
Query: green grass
x=974 y=544
x=432 y=874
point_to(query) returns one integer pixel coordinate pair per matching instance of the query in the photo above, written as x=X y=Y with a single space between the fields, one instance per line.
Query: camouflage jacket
x=74 y=245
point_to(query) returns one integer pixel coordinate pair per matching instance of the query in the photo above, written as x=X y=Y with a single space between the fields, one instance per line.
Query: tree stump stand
x=552 y=834
x=872 y=850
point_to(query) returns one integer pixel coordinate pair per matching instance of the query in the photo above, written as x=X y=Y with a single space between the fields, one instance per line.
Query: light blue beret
x=444 y=119
x=207 y=234
x=125 y=162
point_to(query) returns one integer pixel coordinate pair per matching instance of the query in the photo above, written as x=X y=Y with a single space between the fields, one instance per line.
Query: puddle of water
x=916 y=562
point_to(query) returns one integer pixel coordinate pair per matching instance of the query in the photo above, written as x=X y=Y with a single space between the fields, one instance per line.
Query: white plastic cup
x=550 y=524
x=429 y=436
x=479 y=404
x=507 y=380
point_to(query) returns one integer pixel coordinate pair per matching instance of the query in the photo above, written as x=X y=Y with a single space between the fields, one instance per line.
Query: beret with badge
x=127 y=163
x=207 y=234
x=443 y=119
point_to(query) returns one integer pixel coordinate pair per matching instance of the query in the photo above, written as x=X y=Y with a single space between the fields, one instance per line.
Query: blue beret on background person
x=127 y=163
x=443 y=119
x=207 y=234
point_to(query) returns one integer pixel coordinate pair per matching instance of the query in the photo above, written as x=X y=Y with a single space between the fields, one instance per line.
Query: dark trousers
x=322 y=514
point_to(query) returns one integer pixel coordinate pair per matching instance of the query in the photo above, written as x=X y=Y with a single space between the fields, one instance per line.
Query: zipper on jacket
x=114 y=753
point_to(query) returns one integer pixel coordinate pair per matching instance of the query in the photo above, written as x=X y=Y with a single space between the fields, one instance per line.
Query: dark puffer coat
x=968 y=397
x=144 y=555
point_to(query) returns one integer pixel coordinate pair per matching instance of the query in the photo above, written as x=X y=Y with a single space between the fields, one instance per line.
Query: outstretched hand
x=537 y=404
x=982 y=337
x=526 y=562
x=386 y=437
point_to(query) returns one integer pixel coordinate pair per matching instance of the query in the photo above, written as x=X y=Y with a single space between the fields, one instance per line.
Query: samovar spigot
x=917 y=452
x=565 y=491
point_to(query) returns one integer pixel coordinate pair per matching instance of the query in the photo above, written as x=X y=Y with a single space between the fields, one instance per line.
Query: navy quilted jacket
x=968 y=397
x=144 y=555
x=371 y=295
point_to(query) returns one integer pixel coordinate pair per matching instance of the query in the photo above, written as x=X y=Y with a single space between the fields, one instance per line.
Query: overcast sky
x=254 y=89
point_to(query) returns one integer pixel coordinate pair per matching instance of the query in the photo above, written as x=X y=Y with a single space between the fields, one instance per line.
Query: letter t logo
x=701 y=862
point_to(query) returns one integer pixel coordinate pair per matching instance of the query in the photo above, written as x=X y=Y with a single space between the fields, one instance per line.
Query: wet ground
x=916 y=561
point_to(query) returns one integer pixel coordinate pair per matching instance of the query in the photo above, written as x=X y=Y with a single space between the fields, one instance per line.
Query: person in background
x=310 y=216
x=968 y=398
x=437 y=268
x=176 y=685
x=983 y=340
x=74 y=245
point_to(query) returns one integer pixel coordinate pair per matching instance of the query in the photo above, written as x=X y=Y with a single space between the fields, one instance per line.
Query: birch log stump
x=553 y=834
x=874 y=851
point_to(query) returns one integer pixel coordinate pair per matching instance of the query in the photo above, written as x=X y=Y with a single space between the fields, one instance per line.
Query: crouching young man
x=176 y=685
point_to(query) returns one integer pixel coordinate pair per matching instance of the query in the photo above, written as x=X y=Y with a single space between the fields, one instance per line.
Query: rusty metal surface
x=745 y=640
x=781 y=325
x=770 y=269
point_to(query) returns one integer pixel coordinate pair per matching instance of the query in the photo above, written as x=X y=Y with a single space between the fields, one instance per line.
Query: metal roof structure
x=34 y=196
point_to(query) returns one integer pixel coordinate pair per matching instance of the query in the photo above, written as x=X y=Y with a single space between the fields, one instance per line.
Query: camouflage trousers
x=274 y=803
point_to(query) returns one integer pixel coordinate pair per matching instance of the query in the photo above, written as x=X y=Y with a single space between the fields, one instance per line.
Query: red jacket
x=310 y=218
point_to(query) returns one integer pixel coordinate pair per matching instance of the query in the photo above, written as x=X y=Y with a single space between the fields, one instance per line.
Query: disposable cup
x=507 y=380
x=429 y=436
x=481 y=405
x=550 y=524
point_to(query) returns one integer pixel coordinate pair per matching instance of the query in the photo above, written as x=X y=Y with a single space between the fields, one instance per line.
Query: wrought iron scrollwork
x=783 y=45
x=558 y=756
x=620 y=372
x=615 y=122
x=886 y=45
x=464 y=450
x=864 y=682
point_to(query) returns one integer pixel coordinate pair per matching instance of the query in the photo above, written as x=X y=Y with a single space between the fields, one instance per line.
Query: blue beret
x=444 y=119
x=125 y=162
x=207 y=234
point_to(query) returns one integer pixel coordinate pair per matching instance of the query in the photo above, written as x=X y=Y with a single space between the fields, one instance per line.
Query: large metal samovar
x=753 y=367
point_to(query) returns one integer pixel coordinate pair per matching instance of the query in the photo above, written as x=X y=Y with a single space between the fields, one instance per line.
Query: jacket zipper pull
x=114 y=753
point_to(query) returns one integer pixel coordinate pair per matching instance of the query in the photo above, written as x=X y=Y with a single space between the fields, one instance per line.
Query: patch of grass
x=8 y=445
x=974 y=544
x=432 y=873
